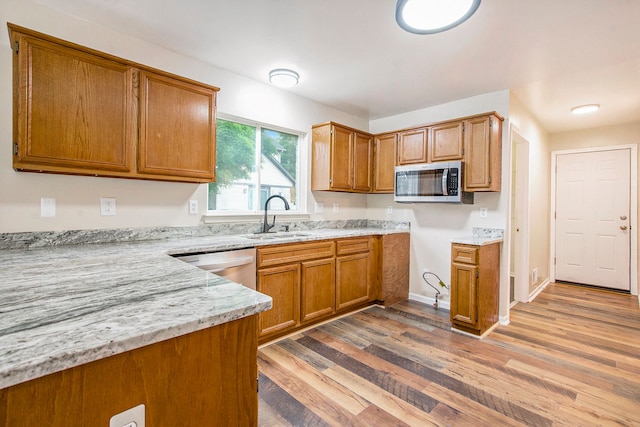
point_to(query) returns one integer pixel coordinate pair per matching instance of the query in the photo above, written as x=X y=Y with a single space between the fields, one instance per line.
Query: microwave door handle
x=445 y=175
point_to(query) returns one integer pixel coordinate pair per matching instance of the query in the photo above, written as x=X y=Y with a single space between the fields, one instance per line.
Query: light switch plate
x=47 y=207
x=133 y=417
x=107 y=206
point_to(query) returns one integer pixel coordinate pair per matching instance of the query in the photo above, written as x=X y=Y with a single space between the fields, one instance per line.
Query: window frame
x=301 y=177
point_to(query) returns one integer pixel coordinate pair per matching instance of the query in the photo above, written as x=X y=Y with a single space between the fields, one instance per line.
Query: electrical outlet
x=319 y=207
x=133 y=417
x=534 y=276
x=389 y=209
x=47 y=207
x=107 y=206
x=483 y=212
x=336 y=208
x=193 y=207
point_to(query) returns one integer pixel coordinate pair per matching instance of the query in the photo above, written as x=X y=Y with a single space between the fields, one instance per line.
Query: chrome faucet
x=265 y=225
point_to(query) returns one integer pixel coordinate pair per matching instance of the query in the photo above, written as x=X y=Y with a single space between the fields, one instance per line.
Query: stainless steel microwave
x=430 y=182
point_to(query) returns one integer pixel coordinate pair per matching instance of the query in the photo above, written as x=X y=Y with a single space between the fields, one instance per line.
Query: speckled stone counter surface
x=67 y=304
x=481 y=236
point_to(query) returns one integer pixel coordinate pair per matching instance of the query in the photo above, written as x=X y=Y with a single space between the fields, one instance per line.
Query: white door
x=592 y=218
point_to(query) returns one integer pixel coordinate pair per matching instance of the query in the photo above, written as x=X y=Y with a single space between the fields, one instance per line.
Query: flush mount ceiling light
x=283 y=77
x=433 y=16
x=584 y=109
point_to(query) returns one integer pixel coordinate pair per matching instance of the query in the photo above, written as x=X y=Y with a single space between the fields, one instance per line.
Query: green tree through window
x=243 y=183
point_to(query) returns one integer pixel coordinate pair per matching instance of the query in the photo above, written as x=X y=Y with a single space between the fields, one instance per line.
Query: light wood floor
x=570 y=358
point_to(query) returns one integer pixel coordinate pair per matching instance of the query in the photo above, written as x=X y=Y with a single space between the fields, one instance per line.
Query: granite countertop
x=63 y=306
x=481 y=237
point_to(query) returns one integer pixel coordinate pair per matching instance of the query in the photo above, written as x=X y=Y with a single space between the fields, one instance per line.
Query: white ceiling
x=351 y=55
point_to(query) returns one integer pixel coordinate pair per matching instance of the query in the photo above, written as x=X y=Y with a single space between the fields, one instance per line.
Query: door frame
x=633 y=209
x=519 y=241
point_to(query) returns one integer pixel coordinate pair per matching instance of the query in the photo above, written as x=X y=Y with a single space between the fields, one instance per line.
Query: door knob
x=623 y=217
x=623 y=227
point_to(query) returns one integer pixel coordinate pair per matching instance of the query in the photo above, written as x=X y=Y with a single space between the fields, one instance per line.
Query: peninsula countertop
x=63 y=306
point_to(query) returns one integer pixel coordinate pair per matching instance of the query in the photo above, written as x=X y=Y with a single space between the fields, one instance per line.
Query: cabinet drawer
x=464 y=254
x=354 y=246
x=295 y=252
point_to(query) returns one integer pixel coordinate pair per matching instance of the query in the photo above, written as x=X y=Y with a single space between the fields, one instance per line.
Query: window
x=253 y=162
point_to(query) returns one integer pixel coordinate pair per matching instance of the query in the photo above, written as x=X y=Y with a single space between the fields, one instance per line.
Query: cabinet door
x=363 y=154
x=317 y=289
x=282 y=284
x=73 y=111
x=483 y=154
x=352 y=280
x=464 y=307
x=412 y=147
x=341 y=158
x=177 y=128
x=446 y=142
x=384 y=155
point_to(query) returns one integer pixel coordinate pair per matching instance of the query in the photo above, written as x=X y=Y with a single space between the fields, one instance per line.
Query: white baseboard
x=539 y=289
x=443 y=304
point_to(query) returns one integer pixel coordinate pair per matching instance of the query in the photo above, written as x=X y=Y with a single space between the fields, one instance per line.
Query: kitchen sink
x=275 y=236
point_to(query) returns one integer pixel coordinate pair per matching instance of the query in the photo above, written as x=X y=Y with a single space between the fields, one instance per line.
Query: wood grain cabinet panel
x=384 y=162
x=362 y=161
x=282 y=284
x=72 y=110
x=413 y=146
x=394 y=254
x=446 y=142
x=475 y=287
x=483 y=153
x=318 y=289
x=177 y=128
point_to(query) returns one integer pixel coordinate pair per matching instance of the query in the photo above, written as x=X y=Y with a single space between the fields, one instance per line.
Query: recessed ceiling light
x=584 y=109
x=433 y=16
x=283 y=77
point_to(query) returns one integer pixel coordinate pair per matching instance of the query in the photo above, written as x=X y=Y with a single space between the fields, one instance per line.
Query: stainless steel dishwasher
x=237 y=265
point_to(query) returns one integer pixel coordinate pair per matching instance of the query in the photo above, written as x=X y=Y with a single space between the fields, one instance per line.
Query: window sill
x=242 y=217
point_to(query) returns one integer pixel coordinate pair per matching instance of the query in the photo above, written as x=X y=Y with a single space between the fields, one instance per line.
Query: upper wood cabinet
x=84 y=112
x=177 y=128
x=412 y=146
x=384 y=162
x=340 y=158
x=446 y=142
x=483 y=153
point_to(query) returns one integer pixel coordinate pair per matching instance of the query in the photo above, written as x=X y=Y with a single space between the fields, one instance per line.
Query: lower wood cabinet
x=318 y=291
x=203 y=378
x=353 y=272
x=475 y=287
x=282 y=284
x=313 y=281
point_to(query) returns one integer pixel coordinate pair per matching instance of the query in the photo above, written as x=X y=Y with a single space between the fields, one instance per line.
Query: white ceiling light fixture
x=585 y=109
x=433 y=16
x=283 y=77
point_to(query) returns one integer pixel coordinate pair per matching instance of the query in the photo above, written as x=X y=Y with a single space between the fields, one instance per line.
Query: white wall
x=139 y=203
x=433 y=225
x=539 y=188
